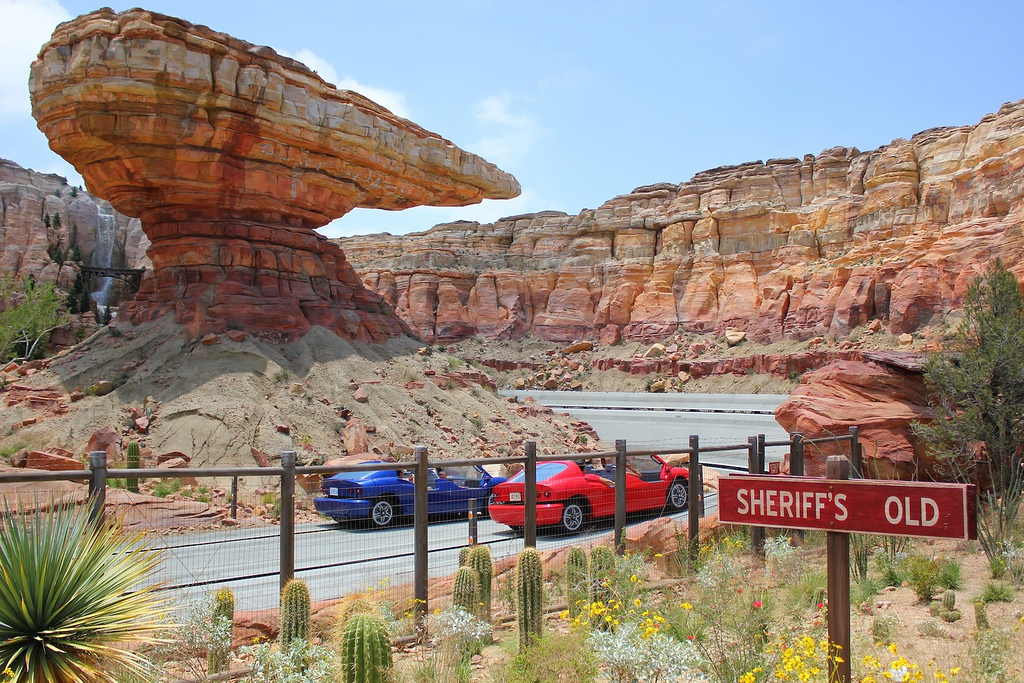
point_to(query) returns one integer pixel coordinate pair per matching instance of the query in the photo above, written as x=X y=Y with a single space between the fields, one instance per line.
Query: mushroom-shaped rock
x=232 y=155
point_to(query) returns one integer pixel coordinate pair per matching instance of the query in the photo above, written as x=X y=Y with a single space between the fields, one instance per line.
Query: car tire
x=574 y=516
x=382 y=513
x=678 y=492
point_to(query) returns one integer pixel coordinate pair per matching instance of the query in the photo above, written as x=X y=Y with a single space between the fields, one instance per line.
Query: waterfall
x=103 y=257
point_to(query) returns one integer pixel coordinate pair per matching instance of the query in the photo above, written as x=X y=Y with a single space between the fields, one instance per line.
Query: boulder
x=41 y=460
x=655 y=351
x=578 y=347
x=881 y=395
x=355 y=438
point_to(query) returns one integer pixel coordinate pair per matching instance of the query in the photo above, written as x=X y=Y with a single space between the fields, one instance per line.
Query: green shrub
x=561 y=657
x=884 y=629
x=951 y=574
x=923 y=576
x=988 y=654
x=997 y=592
x=73 y=594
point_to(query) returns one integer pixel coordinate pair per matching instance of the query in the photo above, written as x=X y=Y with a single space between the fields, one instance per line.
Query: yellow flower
x=686 y=605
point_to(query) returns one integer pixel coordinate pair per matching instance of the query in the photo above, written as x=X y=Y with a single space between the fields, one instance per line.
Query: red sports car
x=571 y=494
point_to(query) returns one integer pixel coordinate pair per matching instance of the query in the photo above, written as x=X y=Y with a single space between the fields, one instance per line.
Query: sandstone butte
x=231 y=155
x=788 y=248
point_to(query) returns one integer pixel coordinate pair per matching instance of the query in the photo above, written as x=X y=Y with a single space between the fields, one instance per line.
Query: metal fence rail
x=396 y=559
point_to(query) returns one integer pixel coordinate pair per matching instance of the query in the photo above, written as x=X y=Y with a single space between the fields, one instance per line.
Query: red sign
x=894 y=508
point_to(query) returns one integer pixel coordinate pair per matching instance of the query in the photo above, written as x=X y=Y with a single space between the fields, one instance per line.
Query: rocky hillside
x=788 y=248
x=40 y=212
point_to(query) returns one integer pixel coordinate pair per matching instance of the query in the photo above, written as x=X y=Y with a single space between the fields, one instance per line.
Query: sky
x=585 y=100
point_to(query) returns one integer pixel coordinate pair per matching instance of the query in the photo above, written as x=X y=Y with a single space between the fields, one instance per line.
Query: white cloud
x=29 y=23
x=389 y=99
x=513 y=134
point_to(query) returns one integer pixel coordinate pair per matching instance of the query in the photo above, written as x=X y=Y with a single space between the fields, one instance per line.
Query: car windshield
x=357 y=476
x=544 y=471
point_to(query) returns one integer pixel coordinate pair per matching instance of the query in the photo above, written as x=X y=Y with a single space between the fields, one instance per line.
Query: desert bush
x=988 y=654
x=923 y=575
x=629 y=654
x=73 y=593
x=191 y=643
x=951 y=574
x=884 y=628
x=551 y=659
x=995 y=591
x=300 y=662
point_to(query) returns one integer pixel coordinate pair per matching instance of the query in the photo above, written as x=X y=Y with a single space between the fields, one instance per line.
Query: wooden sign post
x=841 y=507
x=837 y=564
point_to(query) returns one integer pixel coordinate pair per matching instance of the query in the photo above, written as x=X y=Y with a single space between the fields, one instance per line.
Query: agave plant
x=72 y=602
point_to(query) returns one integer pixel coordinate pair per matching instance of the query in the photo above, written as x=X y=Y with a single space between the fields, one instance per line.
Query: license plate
x=334 y=492
x=515 y=497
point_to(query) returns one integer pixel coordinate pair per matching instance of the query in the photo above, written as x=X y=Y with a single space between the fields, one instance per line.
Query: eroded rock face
x=881 y=393
x=788 y=248
x=40 y=212
x=232 y=155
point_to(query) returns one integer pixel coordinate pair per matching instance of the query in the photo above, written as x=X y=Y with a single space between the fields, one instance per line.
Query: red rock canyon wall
x=788 y=248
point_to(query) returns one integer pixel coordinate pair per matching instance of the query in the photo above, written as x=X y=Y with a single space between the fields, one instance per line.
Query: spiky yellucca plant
x=73 y=593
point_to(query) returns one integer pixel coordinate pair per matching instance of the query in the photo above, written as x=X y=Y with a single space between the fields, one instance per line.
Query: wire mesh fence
x=391 y=528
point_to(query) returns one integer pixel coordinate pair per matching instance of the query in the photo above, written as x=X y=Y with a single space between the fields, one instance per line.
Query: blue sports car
x=383 y=496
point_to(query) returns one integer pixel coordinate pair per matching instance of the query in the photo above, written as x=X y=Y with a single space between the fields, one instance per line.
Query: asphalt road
x=335 y=561
x=668 y=420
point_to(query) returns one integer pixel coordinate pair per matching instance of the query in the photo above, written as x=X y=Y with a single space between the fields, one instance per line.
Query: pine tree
x=977 y=395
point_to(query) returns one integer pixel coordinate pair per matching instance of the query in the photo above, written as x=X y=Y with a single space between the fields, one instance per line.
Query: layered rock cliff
x=788 y=248
x=40 y=212
x=232 y=155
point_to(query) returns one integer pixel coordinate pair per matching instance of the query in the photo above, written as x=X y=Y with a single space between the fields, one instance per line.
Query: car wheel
x=574 y=516
x=382 y=513
x=677 y=493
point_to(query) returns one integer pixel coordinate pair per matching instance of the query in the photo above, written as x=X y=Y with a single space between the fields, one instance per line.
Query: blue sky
x=583 y=101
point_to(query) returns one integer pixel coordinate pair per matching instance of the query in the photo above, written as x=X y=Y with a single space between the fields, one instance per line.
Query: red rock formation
x=788 y=248
x=231 y=155
x=881 y=394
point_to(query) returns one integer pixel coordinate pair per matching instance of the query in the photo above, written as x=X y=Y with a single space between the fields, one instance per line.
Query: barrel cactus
x=480 y=561
x=577 y=587
x=223 y=611
x=132 y=462
x=464 y=555
x=366 y=650
x=295 y=606
x=981 y=616
x=466 y=592
x=529 y=595
x=949 y=600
